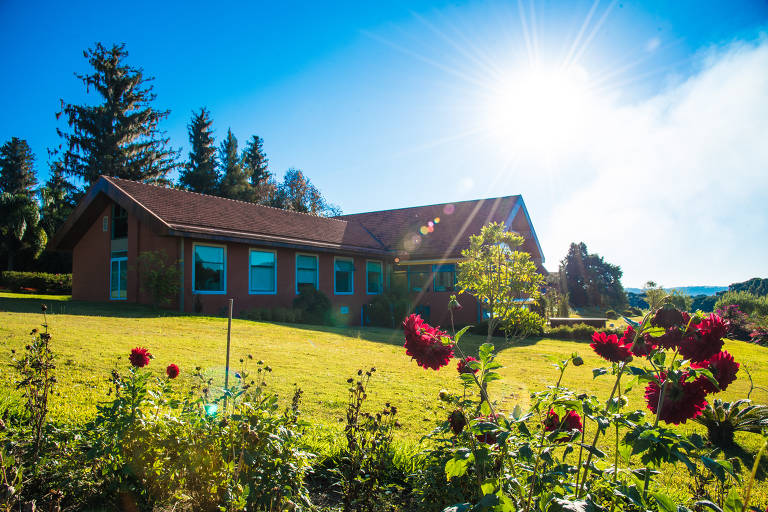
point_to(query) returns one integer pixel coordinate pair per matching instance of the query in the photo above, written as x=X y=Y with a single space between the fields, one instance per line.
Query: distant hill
x=690 y=290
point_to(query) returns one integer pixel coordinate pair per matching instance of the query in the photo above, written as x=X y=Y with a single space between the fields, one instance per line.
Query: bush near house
x=38 y=281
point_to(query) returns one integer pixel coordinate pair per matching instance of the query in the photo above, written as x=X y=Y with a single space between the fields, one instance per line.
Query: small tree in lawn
x=499 y=276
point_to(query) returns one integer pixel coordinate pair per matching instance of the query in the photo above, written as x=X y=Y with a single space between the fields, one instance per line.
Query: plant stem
x=752 y=476
x=597 y=433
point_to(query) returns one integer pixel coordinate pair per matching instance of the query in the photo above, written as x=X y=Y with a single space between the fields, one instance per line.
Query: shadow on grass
x=747 y=459
x=60 y=306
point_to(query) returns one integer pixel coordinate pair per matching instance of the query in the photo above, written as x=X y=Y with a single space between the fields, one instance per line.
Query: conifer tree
x=200 y=173
x=119 y=136
x=57 y=199
x=21 y=235
x=17 y=168
x=234 y=182
x=255 y=164
x=297 y=193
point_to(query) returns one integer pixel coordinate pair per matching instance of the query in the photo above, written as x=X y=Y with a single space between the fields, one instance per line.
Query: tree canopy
x=199 y=173
x=591 y=281
x=500 y=277
x=234 y=182
x=17 y=167
x=120 y=136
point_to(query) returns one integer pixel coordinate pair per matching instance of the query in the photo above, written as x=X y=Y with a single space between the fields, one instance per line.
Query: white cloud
x=652 y=44
x=677 y=187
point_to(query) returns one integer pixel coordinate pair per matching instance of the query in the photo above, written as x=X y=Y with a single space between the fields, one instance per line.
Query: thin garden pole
x=226 y=370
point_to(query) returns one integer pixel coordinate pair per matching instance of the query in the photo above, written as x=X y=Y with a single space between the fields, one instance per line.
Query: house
x=261 y=256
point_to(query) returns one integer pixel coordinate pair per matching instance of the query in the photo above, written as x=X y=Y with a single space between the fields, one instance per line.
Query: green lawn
x=89 y=338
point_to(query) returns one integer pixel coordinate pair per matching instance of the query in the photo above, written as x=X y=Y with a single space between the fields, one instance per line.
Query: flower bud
x=578 y=361
x=444 y=395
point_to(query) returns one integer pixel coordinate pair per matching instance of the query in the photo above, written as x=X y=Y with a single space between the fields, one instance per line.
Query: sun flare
x=540 y=109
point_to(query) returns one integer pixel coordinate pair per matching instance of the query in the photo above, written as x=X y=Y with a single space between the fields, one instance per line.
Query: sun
x=540 y=109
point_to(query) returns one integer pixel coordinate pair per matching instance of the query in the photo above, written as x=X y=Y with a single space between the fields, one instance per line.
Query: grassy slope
x=89 y=338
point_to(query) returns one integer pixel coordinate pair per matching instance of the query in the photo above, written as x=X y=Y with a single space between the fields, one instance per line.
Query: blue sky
x=635 y=127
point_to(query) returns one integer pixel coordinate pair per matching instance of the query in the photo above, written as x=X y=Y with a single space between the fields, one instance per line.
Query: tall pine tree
x=199 y=173
x=255 y=164
x=120 y=136
x=17 y=168
x=234 y=182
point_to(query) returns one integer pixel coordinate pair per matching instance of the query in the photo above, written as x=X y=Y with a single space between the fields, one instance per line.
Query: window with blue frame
x=306 y=271
x=118 y=276
x=419 y=277
x=343 y=276
x=374 y=273
x=209 y=270
x=445 y=277
x=262 y=276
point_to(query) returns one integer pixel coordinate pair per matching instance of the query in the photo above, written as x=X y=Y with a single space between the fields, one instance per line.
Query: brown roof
x=435 y=231
x=405 y=232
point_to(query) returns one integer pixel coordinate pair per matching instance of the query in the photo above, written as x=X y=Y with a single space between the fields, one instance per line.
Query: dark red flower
x=463 y=367
x=139 y=357
x=424 y=343
x=682 y=400
x=488 y=437
x=457 y=421
x=723 y=368
x=570 y=422
x=172 y=371
x=667 y=317
x=705 y=340
x=671 y=340
x=608 y=347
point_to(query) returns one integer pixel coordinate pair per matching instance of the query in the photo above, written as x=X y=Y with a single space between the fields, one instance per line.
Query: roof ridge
x=225 y=199
x=430 y=205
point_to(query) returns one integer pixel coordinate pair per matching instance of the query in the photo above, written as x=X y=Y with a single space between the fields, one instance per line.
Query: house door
x=118 y=276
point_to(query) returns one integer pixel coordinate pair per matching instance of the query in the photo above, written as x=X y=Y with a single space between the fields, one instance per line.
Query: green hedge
x=578 y=332
x=283 y=315
x=40 y=281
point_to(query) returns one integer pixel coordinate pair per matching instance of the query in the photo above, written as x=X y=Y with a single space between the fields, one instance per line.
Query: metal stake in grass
x=226 y=370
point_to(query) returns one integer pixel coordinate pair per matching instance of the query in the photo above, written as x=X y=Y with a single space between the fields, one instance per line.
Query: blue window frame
x=209 y=272
x=445 y=277
x=306 y=271
x=343 y=276
x=374 y=277
x=118 y=276
x=262 y=272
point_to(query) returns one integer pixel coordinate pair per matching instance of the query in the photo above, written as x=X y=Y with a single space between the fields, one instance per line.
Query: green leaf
x=461 y=333
x=597 y=372
x=485 y=352
x=665 y=502
x=457 y=466
x=459 y=507
x=485 y=408
x=517 y=412
x=489 y=486
x=733 y=501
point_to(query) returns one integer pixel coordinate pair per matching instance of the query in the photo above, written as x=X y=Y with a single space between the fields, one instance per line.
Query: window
x=209 y=273
x=119 y=222
x=374 y=277
x=262 y=275
x=419 y=277
x=118 y=275
x=306 y=271
x=343 y=276
x=445 y=277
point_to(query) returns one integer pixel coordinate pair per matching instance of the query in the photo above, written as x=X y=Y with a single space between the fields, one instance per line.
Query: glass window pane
x=123 y=293
x=306 y=277
x=209 y=268
x=306 y=262
x=262 y=258
x=374 y=276
x=262 y=279
x=345 y=265
x=343 y=282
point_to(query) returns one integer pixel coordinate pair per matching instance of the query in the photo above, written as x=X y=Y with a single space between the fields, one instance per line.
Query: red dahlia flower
x=552 y=421
x=488 y=437
x=682 y=400
x=172 y=371
x=570 y=422
x=140 y=357
x=723 y=368
x=608 y=347
x=463 y=367
x=424 y=343
x=706 y=340
x=667 y=317
x=642 y=347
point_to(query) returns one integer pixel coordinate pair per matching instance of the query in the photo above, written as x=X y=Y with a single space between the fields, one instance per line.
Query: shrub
x=284 y=315
x=315 y=306
x=390 y=308
x=578 y=332
x=522 y=323
x=159 y=277
x=40 y=281
x=747 y=302
x=723 y=419
x=611 y=315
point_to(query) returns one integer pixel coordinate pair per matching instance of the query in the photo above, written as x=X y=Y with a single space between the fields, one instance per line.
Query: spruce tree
x=255 y=163
x=120 y=136
x=57 y=199
x=234 y=182
x=17 y=168
x=199 y=173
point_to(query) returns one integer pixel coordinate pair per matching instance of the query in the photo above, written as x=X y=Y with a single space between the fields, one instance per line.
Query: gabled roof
x=178 y=212
x=439 y=231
